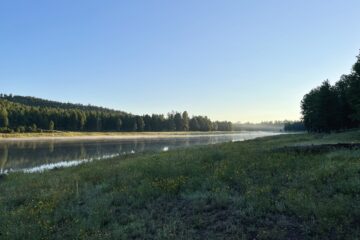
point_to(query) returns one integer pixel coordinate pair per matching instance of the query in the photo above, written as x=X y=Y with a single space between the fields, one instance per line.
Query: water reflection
x=31 y=156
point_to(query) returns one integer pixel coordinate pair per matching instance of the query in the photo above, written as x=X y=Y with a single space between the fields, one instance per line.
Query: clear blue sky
x=231 y=60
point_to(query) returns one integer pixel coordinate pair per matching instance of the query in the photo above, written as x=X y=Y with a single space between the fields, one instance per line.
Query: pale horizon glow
x=229 y=60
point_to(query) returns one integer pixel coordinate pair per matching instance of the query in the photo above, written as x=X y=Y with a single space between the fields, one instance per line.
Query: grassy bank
x=256 y=189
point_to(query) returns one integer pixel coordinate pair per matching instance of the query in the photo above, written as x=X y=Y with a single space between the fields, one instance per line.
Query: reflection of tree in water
x=119 y=148
x=23 y=154
x=31 y=154
x=3 y=157
x=187 y=142
x=51 y=147
x=140 y=146
x=98 y=149
x=33 y=146
x=82 y=151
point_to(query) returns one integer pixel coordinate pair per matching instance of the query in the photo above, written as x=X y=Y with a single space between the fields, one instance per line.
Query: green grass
x=244 y=190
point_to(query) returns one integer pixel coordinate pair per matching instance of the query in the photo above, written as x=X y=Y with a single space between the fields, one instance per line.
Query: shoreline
x=75 y=136
x=211 y=181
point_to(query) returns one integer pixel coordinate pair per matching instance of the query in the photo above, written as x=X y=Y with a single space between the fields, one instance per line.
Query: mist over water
x=37 y=156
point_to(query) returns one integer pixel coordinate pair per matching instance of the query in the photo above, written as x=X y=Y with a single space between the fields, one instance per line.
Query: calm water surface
x=37 y=155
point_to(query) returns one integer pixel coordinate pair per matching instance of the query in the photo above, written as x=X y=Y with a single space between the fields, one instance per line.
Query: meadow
x=280 y=187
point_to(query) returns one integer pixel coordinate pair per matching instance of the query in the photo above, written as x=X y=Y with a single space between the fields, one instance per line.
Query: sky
x=237 y=60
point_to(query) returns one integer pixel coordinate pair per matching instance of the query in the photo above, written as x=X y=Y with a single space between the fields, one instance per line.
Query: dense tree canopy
x=337 y=107
x=21 y=114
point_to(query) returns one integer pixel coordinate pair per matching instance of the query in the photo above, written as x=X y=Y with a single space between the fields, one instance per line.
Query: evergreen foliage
x=29 y=114
x=328 y=108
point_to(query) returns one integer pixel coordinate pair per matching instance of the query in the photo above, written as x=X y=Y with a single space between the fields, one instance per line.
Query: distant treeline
x=275 y=126
x=327 y=108
x=29 y=114
x=294 y=126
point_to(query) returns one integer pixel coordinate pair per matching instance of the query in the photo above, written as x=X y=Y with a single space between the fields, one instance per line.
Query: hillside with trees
x=29 y=114
x=38 y=102
x=334 y=107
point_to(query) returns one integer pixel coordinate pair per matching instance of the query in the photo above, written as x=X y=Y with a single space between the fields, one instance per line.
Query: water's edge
x=31 y=156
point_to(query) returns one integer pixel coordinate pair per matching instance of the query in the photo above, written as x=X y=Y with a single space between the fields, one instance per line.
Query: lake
x=39 y=155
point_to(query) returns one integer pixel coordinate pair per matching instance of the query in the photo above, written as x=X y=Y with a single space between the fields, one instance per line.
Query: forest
x=334 y=107
x=29 y=114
